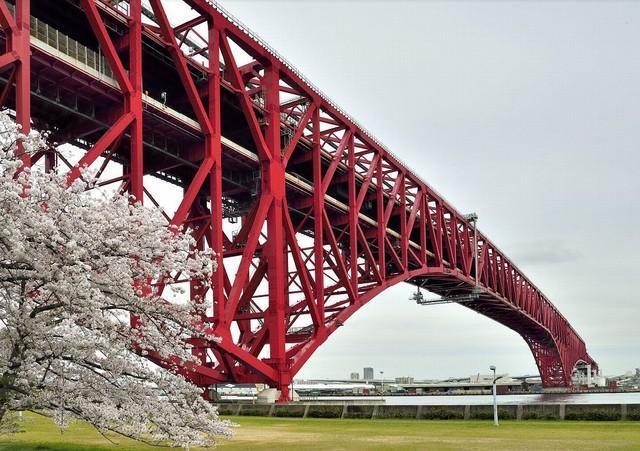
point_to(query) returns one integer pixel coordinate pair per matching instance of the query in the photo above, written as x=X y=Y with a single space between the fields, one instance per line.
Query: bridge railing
x=69 y=46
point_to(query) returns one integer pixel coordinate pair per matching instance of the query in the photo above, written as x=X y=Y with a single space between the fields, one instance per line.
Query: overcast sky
x=524 y=112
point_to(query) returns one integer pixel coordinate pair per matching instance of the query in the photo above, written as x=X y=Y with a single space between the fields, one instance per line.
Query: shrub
x=359 y=411
x=289 y=410
x=255 y=410
x=596 y=412
x=227 y=409
x=633 y=412
x=397 y=411
x=540 y=412
x=442 y=412
x=325 y=411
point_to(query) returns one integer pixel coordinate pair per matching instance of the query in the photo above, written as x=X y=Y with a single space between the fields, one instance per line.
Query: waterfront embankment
x=354 y=409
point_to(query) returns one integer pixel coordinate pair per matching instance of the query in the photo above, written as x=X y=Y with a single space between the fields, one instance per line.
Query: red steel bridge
x=324 y=217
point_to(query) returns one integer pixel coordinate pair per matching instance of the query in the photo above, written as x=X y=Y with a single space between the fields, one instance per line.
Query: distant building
x=585 y=376
x=367 y=374
x=404 y=380
x=355 y=376
x=627 y=381
x=334 y=389
x=474 y=385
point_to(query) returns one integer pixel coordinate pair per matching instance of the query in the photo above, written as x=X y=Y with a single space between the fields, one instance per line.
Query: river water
x=467 y=400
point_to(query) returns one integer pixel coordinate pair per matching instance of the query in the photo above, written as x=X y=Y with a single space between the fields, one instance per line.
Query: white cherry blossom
x=75 y=265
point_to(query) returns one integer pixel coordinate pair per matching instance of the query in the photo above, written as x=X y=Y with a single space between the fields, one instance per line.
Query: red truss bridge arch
x=324 y=217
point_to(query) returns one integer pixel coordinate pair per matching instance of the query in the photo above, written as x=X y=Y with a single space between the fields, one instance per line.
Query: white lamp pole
x=382 y=382
x=495 y=400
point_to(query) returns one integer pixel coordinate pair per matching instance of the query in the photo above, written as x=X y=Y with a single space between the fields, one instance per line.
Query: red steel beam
x=358 y=250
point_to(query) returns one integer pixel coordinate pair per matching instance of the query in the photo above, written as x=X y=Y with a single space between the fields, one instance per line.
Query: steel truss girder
x=315 y=262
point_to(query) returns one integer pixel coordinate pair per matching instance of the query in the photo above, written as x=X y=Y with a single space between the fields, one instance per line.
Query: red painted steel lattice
x=328 y=218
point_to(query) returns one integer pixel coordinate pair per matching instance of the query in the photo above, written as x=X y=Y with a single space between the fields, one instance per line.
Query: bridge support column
x=133 y=101
x=215 y=176
x=21 y=44
x=17 y=58
x=275 y=250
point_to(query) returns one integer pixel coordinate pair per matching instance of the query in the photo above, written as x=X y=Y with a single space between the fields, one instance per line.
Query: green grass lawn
x=258 y=433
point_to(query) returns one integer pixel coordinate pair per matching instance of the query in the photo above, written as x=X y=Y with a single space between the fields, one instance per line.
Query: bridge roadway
x=328 y=159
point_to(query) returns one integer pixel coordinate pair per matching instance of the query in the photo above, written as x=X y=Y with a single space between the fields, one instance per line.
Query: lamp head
x=492 y=367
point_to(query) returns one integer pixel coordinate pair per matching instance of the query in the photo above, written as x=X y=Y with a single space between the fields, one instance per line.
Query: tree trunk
x=6 y=388
x=8 y=379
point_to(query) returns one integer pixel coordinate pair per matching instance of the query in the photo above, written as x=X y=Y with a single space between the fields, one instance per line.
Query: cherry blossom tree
x=76 y=266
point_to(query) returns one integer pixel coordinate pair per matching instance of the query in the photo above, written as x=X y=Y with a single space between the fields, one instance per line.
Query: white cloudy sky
x=525 y=112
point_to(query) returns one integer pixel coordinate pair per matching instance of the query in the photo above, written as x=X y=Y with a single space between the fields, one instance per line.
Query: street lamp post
x=495 y=400
x=382 y=382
